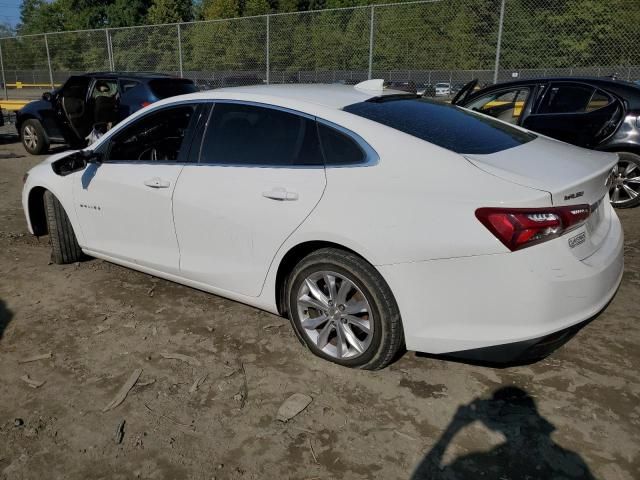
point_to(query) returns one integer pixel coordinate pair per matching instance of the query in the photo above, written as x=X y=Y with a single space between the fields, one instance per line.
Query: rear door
x=575 y=113
x=260 y=174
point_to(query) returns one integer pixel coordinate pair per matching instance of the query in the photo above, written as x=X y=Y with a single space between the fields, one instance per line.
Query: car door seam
x=275 y=255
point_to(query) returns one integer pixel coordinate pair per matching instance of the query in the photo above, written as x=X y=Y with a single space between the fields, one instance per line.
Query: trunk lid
x=571 y=175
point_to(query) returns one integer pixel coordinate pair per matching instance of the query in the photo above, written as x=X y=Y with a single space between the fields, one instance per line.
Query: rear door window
x=454 y=128
x=169 y=87
x=503 y=105
x=566 y=98
x=599 y=100
x=250 y=135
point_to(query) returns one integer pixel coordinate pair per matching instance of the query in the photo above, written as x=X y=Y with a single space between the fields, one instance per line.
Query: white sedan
x=373 y=219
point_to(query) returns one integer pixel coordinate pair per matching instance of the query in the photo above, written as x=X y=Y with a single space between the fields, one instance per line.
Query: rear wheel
x=34 y=138
x=625 y=187
x=64 y=245
x=343 y=311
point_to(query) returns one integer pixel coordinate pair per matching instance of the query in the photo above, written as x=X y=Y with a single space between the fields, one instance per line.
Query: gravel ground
x=574 y=415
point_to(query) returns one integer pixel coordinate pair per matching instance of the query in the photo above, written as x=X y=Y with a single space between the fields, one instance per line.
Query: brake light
x=145 y=104
x=518 y=228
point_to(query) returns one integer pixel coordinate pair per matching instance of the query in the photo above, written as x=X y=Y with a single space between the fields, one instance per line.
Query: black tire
x=387 y=336
x=34 y=138
x=620 y=181
x=64 y=245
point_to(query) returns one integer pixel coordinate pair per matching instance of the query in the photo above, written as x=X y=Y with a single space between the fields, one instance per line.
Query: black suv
x=93 y=100
x=597 y=113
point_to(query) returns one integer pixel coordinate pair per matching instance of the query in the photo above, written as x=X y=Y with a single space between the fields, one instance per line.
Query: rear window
x=170 y=87
x=453 y=128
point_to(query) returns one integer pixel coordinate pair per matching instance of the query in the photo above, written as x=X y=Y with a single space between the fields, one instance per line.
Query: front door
x=71 y=108
x=575 y=113
x=124 y=204
x=260 y=175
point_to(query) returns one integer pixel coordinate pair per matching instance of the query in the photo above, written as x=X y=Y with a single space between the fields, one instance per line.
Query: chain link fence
x=425 y=42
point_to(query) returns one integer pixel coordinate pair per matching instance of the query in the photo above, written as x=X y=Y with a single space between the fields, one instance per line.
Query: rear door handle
x=156 y=182
x=279 y=193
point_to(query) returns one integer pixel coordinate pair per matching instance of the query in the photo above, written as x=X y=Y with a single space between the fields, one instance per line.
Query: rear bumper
x=496 y=308
x=520 y=352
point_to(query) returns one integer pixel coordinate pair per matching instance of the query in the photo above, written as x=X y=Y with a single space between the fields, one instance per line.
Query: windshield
x=447 y=126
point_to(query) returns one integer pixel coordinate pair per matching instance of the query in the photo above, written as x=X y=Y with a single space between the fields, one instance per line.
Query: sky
x=10 y=12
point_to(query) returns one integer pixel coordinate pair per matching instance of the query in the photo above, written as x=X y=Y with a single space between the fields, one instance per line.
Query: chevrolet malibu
x=374 y=220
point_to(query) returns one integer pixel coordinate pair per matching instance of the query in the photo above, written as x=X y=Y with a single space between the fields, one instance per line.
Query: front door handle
x=156 y=182
x=279 y=193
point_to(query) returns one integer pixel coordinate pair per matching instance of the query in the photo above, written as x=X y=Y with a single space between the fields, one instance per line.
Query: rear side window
x=453 y=128
x=169 y=87
x=245 y=135
x=338 y=148
x=598 y=100
x=566 y=99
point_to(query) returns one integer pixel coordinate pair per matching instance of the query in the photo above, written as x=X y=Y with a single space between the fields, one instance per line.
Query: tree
x=170 y=11
x=215 y=9
x=127 y=13
x=256 y=7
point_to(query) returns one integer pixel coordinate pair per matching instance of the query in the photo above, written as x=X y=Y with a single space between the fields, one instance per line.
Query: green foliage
x=170 y=11
x=256 y=7
x=443 y=35
x=215 y=9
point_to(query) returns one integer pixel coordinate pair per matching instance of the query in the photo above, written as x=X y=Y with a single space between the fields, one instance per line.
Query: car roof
x=141 y=75
x=327 y=95
x=624 y=89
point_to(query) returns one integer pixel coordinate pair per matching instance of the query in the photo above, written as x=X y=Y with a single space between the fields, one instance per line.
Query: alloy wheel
x=30 y=137
x=625 y=185
x=335 y=315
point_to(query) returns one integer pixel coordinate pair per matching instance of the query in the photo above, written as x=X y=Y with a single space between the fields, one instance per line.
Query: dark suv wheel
x=34 y=138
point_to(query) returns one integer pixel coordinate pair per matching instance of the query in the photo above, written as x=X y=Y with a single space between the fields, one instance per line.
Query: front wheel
x=34 y=138
x=343 y=311
x=64 y=245
x=625 y=187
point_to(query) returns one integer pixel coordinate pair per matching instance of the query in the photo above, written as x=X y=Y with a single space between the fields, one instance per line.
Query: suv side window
x=156 y=137
x=598 y=100
x=76 y=87
x=506 y=105
x=245 y=135
x=339 y=148
x=566 y=98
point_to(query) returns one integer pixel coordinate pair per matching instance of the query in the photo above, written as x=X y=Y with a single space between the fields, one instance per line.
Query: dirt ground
x=574 y=415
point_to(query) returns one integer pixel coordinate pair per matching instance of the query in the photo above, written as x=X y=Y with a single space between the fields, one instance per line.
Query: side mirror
x=47 y=96
x=75 y=162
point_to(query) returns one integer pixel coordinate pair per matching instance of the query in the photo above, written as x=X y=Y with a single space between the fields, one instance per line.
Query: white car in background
x=443 y=89
x=373 y=219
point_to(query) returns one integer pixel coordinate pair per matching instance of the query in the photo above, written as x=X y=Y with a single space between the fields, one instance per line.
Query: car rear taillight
x=145 y=104
x=523 y=227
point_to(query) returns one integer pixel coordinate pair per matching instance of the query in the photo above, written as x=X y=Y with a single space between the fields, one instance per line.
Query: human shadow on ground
x=528 y=451
x=5 y=317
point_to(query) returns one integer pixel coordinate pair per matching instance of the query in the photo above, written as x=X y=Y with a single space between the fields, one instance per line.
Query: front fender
x=42 y=176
